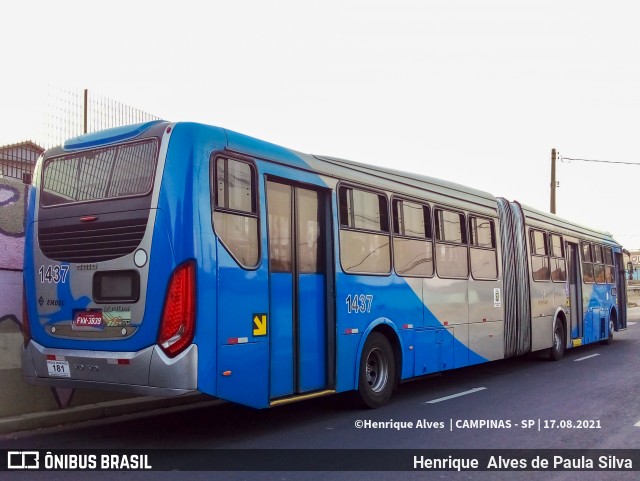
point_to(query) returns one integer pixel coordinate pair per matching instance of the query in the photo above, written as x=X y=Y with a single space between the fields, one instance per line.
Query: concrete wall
x=17 y=397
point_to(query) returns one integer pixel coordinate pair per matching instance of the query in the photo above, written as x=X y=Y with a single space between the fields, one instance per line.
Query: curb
x=98 y=411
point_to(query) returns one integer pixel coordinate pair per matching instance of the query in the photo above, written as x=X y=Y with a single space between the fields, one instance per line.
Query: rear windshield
x=115 y=171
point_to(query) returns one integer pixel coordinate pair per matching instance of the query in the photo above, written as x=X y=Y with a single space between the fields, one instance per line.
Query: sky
x=471 y=91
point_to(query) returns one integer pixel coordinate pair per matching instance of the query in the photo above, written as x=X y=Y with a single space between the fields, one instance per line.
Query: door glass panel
x=308 y=231
x=279 y=212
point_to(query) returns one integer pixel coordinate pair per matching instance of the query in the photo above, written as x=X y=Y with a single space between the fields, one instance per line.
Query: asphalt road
x=588 y=400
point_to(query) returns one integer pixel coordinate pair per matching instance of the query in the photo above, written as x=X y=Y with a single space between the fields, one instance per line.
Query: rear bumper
x=146 y=372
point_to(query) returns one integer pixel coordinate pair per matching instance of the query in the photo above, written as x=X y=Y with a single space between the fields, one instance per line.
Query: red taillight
x=179 y=312
x=26 y=328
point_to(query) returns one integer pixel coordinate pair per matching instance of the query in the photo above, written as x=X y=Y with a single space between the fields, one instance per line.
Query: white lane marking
x=586 y=357
x=637 y=424
x=632 y=323
x=471 y=391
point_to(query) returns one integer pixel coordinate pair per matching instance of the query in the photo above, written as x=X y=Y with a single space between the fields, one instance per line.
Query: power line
x=562 y=159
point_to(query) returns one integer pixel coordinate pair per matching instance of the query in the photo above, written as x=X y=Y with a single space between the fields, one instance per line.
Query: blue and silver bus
x=168 y=258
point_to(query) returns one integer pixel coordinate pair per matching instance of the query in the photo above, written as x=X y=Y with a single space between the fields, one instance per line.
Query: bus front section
x=102 y=311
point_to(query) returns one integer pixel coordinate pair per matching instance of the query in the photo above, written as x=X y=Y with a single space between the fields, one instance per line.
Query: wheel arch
x=561 y=316
x=389 y=330
x=613 y=314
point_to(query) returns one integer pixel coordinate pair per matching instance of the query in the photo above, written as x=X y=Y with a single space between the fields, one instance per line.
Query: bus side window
x=558 y=263
x=412 y=247
x=540 y=256
x=483 y=254
x=609 y=269
x=587 y=263
x=235 y=210
x=452 y=257
x=598 y=266
x=364 y=232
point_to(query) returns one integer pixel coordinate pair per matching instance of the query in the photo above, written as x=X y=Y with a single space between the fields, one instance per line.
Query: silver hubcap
x=377 y=370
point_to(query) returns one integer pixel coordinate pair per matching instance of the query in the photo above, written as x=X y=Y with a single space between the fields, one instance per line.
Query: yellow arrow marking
x=260 y=325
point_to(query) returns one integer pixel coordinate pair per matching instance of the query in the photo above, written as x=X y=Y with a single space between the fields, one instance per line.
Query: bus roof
x=546 y=219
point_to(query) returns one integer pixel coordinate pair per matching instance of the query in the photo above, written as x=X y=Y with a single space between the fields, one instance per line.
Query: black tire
x=377 y=373
x=557 y=350
x=612 y=327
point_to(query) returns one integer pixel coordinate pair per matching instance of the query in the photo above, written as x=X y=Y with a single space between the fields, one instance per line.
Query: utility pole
x=553 y=181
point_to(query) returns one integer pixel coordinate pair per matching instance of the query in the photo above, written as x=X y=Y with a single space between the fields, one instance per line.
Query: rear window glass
x=116 y=171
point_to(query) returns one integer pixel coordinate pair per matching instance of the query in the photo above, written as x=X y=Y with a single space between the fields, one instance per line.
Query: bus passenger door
x=575 y=291
x=621 y=291
x=300 y=332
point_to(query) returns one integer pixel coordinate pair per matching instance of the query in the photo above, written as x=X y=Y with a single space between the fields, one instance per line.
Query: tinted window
x=558 y=270
x=450 y=227
x=557 y=263
x=540 y=264
x=599 y=274
x=540 y=268
x=235 y=218
x=411 y=219
x=557 y=249
x=484 y=264
x=608 y=256
x=587 y=273
x=451 y=260
x=597 y=251
x=308 y=235
x=413 y=252
x=234 y=189
x=240 y=236
x=481 y=231
x=483 y=254
x=360 y=209
x=538 y=243
x=364 y=239
x=279 y=213
x=363 y=252
x=120 y=170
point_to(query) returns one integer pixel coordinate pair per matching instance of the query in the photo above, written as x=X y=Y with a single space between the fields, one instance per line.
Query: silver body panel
x=146 y=372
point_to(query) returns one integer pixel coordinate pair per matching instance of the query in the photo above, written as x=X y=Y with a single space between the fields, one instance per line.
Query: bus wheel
x=612 y=326
x=377 y=371
x=557 y=350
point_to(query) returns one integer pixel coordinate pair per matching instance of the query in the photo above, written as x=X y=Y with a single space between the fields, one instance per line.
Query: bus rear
x=100 y=310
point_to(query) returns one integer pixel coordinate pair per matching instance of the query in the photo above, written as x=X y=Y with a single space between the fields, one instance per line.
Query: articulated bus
x=168 y=258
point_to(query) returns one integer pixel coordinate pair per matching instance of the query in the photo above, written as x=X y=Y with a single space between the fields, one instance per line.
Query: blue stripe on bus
x=395 y=304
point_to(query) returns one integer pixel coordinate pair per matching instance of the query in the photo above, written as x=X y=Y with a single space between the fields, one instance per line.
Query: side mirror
x=27 y=177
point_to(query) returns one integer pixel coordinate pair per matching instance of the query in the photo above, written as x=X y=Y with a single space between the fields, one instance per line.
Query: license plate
x=88 y=320
x=58 y=368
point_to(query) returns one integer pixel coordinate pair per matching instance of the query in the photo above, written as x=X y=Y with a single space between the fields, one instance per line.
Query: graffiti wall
x=16 y=396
